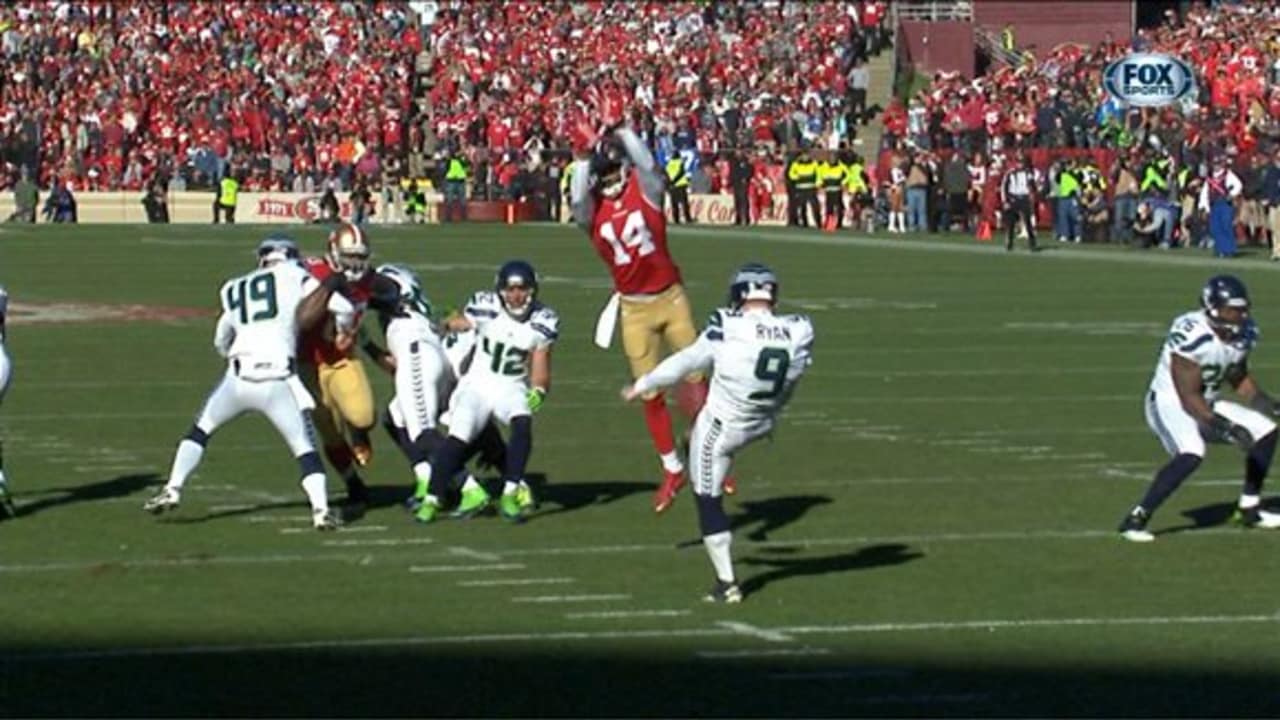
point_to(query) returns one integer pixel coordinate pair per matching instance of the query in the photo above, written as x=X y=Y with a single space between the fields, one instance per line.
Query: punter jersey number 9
x=259 y=292
x=771 y=366
x=635 y=234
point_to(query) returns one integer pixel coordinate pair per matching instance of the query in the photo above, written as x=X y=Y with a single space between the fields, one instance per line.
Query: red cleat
x=730 y=485
x=667 y=491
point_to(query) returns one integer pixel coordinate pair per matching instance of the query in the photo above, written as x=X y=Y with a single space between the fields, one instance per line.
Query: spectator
x=1271 y=199
x=330 y=211
x=361 y=203
x=455 y=189
x=155 y=202
x=678 y=189
x=224 y=201
x=1126 y=200
x=955 y=185
x=741 y=175
x=25 y=199
x=1153 y=223
x=60 y=206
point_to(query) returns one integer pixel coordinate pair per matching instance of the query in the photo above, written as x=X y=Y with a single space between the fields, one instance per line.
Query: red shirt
x=317 y=344
x=630 y=234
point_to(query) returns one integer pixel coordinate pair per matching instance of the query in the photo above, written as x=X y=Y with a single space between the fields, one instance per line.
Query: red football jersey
x=317 y=344
x=630 y=234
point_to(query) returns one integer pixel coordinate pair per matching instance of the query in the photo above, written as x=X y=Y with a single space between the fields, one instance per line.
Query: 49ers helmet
x=349 y=251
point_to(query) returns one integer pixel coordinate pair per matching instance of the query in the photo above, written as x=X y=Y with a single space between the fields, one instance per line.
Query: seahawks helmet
x=753 y=281
x=409 y=288
x=1221 y=292
x=277 y=248
x=517 y=273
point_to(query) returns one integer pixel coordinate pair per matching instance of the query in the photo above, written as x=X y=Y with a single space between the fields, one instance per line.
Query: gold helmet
x=349 y=251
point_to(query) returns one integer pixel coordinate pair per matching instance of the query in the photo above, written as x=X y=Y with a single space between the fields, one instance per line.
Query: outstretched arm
x=650 y=180
x=581 y=203
x=698 y=356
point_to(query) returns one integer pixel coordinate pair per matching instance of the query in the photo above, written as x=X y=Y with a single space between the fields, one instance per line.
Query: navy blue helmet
x=1221 y=292
x=753 y=281
x=517 y=273
x=277 y=247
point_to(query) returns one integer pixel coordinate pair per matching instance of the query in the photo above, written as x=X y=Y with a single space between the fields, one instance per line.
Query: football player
x=1206 y=350
x=507 y=380
x=617 y=198
x=257 y=333
x=7 y=508
x=758 y=357
x=330 y=369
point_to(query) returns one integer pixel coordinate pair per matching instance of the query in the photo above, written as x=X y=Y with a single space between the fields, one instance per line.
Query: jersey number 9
x=771 y=366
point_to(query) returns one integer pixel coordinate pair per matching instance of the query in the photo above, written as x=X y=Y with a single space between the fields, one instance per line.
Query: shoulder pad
x=483 y=304
x=545 y=321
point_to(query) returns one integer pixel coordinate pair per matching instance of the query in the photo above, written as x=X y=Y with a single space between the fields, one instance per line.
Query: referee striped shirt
x=1019 y=183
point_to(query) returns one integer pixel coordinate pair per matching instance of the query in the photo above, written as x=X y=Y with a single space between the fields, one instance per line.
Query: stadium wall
x=1040 y=25
x=932 y=46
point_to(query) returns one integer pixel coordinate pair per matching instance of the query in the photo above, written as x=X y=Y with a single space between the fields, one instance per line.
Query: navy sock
x=309 y=464
x=1168 y=479
x=711 y=515
x=492 y=448
x=1258 y=462
x=518 y=449
x=424 y=447
x=398 y=434
x=197 y=436
x=444 y=463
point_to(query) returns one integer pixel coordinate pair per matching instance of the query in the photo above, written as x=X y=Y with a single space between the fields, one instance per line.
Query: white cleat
x=163 y=501
x=1138 y=536
x=325 y=520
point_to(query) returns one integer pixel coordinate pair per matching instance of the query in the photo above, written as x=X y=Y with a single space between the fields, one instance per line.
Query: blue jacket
x=1271 y=184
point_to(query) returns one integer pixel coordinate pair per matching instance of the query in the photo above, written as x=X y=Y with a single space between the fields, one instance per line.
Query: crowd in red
x=111 y=95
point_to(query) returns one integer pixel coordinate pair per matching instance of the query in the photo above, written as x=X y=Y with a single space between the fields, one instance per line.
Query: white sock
x=470 y=484
x=1249 y=501
x=671 y=462
x=313 y=486
x=509 y=487
x=2 y=480
x=718 y=550
x=422 y=471
x=185 y=461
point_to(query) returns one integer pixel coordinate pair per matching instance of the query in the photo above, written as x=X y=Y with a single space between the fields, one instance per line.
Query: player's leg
x=393 y=423
x=1180 y=435
x=1257 y=463
x=288 y=406
x=223 y=404
x=353 y=396
x=691 y=394
x=419 y=369
x=329 y=422
x=469 y=410
x=512 y=409
x=641 y=341
x=709 y=461
x=7 y=508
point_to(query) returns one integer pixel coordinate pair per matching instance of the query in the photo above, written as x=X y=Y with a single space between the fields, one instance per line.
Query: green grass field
x=931 y=531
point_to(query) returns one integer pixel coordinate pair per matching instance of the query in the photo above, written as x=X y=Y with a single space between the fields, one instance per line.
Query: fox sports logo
x=1149 y=79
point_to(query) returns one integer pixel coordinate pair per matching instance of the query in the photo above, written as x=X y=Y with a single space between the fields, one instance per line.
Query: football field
x=931 y=531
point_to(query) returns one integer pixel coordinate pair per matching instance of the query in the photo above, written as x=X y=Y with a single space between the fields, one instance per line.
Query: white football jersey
x=757 y=358
x=503 y=344
x=410 y=325
x=1192 y=337
x=258 y=327
x=4 y=311
x=457 y=350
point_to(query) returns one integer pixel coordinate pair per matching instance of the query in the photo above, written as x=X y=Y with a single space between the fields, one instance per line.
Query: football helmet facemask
x=517 y=287
x=1226 y=303
x=349 y=251
x=610 y=168
x=753 y=281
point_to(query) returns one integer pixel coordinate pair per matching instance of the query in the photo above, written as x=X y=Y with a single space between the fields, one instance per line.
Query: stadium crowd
x=1104 y=169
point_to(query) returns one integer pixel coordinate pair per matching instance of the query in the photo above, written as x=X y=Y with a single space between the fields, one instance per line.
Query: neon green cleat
x=427 y=511
x=509 y=506
x=524 y=496
x=473 y=502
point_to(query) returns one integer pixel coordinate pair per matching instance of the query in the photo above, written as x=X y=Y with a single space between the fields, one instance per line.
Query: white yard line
x=347 y=529
x=466 y=552
x=760 y=653
x=516 y=582
x=545 y=599
x=590 y=636
x=752 y=631
x=625 y=614
x=465 y=568
x=378 y=542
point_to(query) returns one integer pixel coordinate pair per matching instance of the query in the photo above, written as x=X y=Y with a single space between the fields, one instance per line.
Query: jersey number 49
x=260 y=292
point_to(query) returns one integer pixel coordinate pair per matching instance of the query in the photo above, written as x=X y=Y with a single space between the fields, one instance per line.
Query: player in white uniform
x=7 y=508
x=758 y=357
x=507 y=380
x=1206 y=349
x=257 y=333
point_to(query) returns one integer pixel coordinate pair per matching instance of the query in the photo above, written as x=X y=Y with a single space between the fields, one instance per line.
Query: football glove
x=536 y=397
x=337 y=282
x=1225 y=430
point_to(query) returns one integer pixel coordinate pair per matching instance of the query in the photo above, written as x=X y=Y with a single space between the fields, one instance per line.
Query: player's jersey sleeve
x=546 y=326
x=714 y=331
x=482 y=308
x=4 y=302
x=698 y=356
x=646 y=169
x=1192 y=338
x=802 y=346
x=581 y=203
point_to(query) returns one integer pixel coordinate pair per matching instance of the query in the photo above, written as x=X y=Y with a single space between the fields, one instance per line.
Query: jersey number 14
x=635 y=235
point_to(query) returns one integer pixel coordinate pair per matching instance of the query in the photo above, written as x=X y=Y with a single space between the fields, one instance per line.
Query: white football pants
x=474 y=403
x=420 y=381
x=284 y=402
x=5 y=371
x=1182 y=435
x=711 y=448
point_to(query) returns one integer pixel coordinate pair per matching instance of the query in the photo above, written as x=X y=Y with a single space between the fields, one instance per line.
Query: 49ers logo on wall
x=296 y=208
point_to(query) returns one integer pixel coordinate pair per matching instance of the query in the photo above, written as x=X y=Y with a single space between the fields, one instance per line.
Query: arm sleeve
x=698 y=356
x=223 y=334
x=580 y=200
x=650 y=181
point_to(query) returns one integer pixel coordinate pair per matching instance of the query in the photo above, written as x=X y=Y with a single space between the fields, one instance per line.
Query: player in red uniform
x=331 y=369
x=617 y=198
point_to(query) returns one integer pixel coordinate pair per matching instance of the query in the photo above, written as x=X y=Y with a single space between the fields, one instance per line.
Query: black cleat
x=1134 y=526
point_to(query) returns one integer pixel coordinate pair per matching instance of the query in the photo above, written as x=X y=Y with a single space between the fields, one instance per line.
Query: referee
x=1017 y=193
